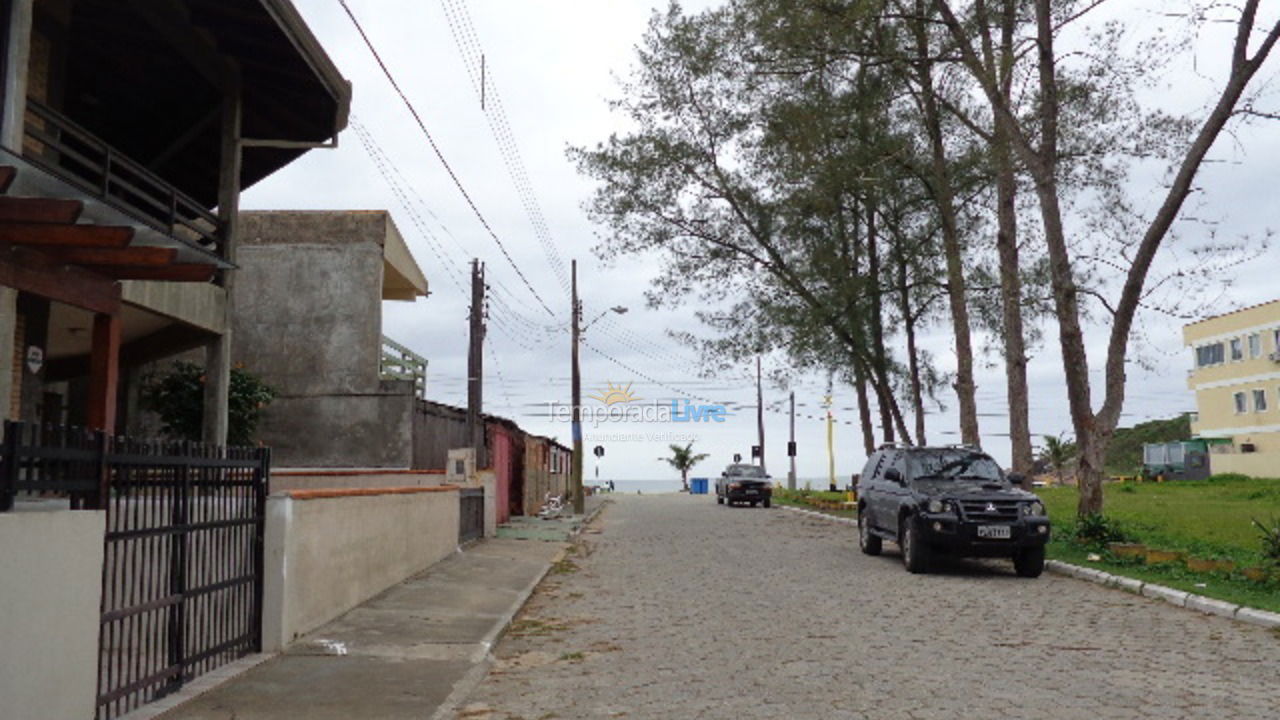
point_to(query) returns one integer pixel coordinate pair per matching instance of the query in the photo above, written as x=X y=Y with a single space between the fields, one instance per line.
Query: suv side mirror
x=893 y=475
x=1018 y=479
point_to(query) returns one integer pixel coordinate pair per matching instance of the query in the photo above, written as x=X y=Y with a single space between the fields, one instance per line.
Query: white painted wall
x=50 y=590
x=326 y=555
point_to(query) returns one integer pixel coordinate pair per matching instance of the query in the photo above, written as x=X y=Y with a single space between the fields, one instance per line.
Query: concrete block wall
x=50 y=591
x=327 y=551
x=283 y=480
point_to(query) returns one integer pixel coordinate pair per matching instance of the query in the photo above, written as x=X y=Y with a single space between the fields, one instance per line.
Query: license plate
x=994 y=532
x=753 y=492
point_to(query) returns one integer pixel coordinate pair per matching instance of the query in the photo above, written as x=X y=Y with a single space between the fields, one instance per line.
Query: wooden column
x=104 y=372
x=8 y=349
x=17 y=51
x=217 y=388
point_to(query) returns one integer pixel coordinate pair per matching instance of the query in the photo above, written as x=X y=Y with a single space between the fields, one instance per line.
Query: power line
x=440 y=155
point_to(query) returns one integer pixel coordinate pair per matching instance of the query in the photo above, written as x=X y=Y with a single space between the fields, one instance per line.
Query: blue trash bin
x=698 y=486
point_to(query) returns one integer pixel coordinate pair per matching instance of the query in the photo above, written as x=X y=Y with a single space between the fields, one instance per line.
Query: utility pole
x=831 y=447
x=791 y=446
x=759 y=413
x=475 y=364
x=575 y=479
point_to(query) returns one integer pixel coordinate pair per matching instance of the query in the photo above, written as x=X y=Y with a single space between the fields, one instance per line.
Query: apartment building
x=1236 y=378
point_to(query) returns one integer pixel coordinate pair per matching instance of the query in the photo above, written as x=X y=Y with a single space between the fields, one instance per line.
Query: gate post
x=9 y=466
x=261 y=476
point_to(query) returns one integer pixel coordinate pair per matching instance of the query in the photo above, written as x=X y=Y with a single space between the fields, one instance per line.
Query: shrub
x=177 y=396
x=1097 y=530
x=1270 y=539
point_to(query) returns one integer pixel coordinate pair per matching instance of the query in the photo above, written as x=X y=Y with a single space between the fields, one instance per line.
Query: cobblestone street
x=675 y=607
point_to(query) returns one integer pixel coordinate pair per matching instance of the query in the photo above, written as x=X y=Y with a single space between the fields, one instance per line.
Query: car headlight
x=939 y=506
x=735 y=486
x=1033 y=508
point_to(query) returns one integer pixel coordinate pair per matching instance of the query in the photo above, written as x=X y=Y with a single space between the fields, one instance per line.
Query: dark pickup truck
x=948 y=500
x=744 y=483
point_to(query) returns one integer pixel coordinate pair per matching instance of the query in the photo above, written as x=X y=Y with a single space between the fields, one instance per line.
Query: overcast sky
x=552 y=66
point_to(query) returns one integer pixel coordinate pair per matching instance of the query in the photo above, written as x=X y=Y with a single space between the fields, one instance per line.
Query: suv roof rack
x=894 y=445
x=965 y=446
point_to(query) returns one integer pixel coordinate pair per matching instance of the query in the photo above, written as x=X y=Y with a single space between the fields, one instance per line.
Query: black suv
x=948 y=500
x=744 y=483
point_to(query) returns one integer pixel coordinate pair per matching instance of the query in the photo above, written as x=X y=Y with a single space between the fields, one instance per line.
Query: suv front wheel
x=868 y=543
x=915 y=553
x=1029 y=562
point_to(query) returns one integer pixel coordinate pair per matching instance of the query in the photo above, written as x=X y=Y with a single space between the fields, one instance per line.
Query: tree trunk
x=864 y=409
x=1015 y=346
x=884 y=392
x=945 y=198
x=913 y=355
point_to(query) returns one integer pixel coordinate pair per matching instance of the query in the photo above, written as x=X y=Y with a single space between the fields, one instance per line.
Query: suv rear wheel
x=915 y=553
x=1029 y=562
x=868 y=543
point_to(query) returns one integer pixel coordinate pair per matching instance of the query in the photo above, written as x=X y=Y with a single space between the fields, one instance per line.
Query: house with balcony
x=127 y=133
x=1236 y=379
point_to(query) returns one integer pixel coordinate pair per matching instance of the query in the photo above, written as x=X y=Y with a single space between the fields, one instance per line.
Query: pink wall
x=502 y=452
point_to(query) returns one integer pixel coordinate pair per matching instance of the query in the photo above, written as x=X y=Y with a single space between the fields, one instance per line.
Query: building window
x=1275 y=340
x=1242 y=404
x=1259 y=400
x=1255 y=345
x=1209 y=355
x=1237 y=350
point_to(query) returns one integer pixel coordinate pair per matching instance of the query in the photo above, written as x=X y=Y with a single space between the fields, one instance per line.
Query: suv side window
x=900 y=464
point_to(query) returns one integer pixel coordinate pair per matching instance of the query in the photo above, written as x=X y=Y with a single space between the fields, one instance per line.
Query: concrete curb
x=820 y=514
x=1180 y=598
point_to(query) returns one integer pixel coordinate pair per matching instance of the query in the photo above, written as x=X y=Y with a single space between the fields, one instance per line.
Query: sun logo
x=614 y=394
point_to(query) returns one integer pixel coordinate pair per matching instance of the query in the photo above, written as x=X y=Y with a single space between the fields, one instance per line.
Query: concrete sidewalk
x=401 y=654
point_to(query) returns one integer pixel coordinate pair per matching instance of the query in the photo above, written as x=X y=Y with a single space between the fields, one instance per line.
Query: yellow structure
x=1236 y=378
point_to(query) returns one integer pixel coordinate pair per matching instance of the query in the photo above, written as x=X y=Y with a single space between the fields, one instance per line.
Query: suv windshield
x=744 y=471
x=953 y=465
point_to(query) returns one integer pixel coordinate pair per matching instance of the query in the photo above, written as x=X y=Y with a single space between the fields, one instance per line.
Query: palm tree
x=683 y=459
x=1057 y=453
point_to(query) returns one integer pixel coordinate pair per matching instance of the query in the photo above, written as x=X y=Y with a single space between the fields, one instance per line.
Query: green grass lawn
x=1208 y=519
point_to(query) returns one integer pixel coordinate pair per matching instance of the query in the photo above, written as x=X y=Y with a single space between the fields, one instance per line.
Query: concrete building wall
x=284 y=480
x=339 y=431
x=308 y=313
x=328 y=551
x=50 y=590
x=307 y=319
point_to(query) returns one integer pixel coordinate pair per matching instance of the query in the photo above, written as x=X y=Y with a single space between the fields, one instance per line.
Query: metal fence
x=471 y=514
x=182 y=575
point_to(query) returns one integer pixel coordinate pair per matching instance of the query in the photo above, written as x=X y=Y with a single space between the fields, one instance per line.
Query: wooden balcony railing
x=63 y=148
x=401 y=363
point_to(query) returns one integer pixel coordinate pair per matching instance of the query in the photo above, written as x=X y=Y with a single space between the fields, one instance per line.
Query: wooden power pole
x=475 y=365
x=579 y=499
x=791 y=446
x=760 y=413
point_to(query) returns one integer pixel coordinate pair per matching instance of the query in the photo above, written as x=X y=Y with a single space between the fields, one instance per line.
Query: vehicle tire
x=719 y=499
x=767 y=503
x=915 y=553
x=868 y=543
x=1029 y=562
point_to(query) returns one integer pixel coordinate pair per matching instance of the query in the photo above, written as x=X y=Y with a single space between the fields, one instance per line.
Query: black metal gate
x=182 y=570
x=471 y=514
